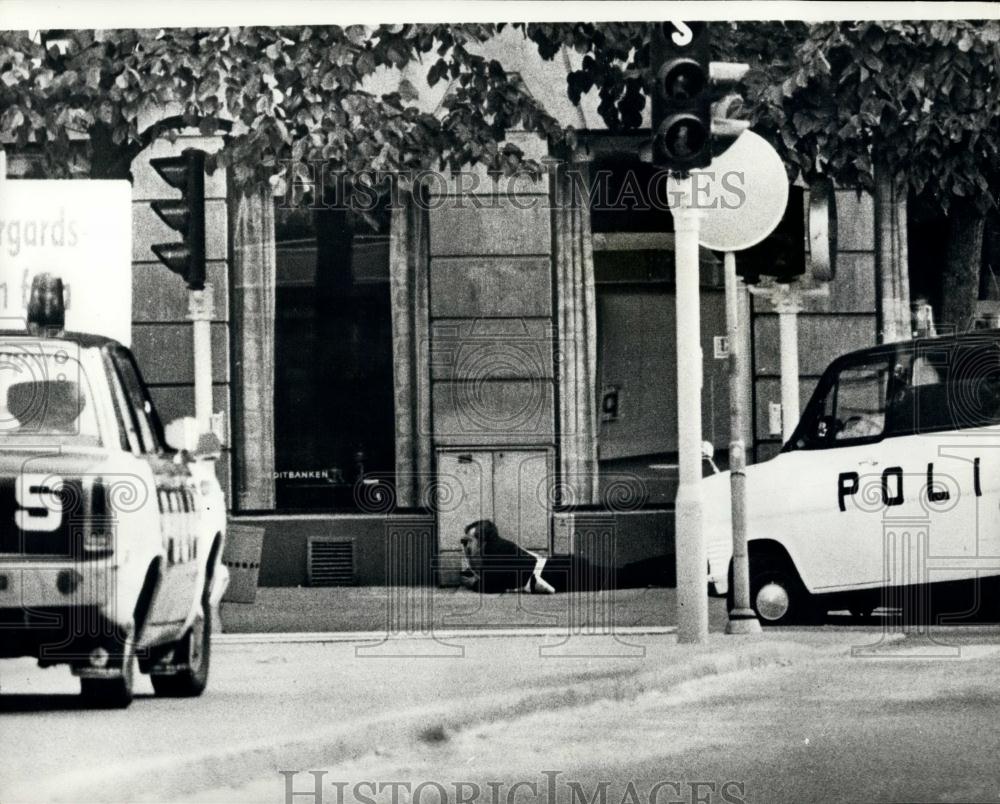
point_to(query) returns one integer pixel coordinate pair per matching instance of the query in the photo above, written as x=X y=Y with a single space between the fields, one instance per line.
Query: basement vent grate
x=331 y=562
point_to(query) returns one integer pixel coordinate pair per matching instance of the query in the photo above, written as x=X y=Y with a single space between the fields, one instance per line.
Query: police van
x=890 y=483
x=112 y=525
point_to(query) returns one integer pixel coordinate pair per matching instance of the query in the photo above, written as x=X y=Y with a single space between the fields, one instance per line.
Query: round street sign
x=742 y=195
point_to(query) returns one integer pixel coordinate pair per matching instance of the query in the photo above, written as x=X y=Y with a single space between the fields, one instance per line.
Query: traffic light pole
x=742 y=620
x=692 y=561
x=200 y=311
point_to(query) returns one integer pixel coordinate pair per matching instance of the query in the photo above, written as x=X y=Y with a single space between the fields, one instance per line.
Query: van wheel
x=117 y=692
x=776 y=593
x=193 y=653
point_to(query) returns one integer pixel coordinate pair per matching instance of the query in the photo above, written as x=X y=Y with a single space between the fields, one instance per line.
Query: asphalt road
x=903 y=720
x=888 y=729
x=261 y=695
x=792 y=717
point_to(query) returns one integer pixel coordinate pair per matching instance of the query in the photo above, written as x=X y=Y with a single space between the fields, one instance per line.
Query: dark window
x=333 y=398
x=127 y=435
x=946 y=387
x=636 y=388
x=923 y=388
x=850 y=406
x=146 y=421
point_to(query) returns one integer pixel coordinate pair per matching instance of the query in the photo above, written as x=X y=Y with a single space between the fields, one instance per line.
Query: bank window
x=333 y=396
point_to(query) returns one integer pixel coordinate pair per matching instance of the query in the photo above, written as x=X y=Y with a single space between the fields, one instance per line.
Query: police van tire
x=114 y=693
x=193 y=651
x=777 y=594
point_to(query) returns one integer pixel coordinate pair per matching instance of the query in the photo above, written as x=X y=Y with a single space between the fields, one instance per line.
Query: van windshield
x=45 y=395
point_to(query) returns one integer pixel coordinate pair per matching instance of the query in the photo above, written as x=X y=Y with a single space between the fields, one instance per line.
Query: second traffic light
x=782 y=254
x=686 y=85
x=185 y=215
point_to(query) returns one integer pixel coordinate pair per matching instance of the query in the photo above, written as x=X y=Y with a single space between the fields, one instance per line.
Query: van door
x=948 y=416
x=835 y=479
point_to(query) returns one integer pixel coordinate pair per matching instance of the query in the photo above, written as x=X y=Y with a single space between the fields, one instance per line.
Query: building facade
x=501 y=350
x=493 y=350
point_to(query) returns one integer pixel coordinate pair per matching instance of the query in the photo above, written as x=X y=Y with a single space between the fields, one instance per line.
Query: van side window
x=854 y=406
x=858 y=402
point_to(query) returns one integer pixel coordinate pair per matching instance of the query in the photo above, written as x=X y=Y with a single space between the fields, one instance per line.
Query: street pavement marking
x=455 y=633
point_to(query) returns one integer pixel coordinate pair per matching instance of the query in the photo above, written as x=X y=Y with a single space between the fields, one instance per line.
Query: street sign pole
x=788 y=306
x=742 y=620
x=755 y=166
x=692 y=591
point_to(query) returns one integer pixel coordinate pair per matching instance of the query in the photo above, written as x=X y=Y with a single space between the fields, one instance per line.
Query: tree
x=916 y=103
x=79 y=98
x=910 y=104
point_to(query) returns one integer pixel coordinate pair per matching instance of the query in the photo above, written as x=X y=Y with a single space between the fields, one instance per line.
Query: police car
x=891 y=481
x=111 y=527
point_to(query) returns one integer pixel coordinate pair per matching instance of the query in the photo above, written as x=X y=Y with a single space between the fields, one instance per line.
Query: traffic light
x=185 y=215
x=782 y=254
x=682 y=113
x=686 y=133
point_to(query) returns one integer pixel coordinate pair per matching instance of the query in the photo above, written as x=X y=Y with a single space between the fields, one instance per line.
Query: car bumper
x=47 y=584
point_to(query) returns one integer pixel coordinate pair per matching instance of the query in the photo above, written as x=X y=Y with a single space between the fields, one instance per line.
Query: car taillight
x=99 y=531
x=98 y=541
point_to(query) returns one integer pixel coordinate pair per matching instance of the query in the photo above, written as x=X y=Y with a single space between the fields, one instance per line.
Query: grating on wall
x=330 y=562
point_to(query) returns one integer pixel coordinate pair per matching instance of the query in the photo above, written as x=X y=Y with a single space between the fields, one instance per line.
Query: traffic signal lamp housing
x=686 y=133
x=185 y=215
x=782 y=254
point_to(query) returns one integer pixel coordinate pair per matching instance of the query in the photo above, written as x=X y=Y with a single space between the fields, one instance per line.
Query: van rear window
x=952 y=388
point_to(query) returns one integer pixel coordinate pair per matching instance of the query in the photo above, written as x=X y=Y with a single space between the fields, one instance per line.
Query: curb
x=485 y=632
x=226 y=768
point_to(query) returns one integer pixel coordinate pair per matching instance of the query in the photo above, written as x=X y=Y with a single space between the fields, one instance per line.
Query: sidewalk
x=416 y=609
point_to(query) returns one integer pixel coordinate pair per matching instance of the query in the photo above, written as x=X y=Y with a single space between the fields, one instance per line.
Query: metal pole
x=788 y=310
x=201 y=311
x=692 y=562
x=742 y=620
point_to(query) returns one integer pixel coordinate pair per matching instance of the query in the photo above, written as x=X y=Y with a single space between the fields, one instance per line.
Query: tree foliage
x=291 y=93
x=922 y=99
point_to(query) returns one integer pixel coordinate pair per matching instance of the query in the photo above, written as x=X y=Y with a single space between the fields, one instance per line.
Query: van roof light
x=46 y=306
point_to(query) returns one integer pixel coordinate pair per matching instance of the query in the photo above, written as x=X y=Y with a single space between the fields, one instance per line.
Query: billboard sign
x=79 y=230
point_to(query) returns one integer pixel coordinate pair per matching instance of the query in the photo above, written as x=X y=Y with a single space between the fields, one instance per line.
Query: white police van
x=891 y=481
x=111 y=527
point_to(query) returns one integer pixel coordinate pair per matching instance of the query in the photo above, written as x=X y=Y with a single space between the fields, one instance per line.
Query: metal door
x=511 y=487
